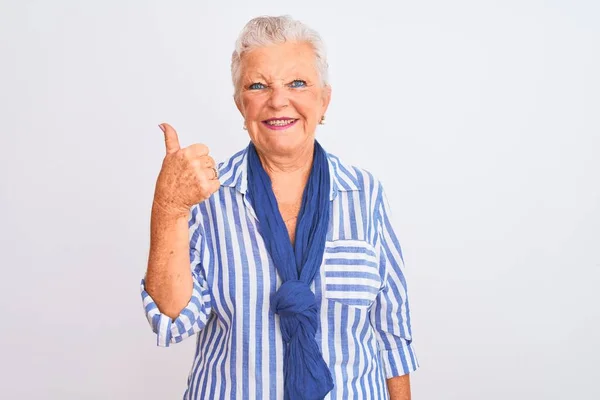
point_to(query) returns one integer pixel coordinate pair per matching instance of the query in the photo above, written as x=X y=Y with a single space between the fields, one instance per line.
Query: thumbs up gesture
x=188 y=176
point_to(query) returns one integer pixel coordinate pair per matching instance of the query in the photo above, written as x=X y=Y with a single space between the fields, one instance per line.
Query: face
x=281 y=97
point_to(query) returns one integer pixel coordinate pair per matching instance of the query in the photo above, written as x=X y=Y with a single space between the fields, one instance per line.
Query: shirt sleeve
x=390 y=314
x=195 y=315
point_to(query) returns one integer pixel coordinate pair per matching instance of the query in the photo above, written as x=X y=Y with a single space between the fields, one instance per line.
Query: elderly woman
x=281 y=259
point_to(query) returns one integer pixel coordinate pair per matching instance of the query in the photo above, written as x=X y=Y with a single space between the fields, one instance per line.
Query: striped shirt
x=364 y=333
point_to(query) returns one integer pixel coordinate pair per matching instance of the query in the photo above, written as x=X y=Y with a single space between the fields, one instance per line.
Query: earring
x=322 y=121
x=245 y=127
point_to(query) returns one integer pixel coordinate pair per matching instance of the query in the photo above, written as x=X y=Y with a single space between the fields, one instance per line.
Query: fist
x=188 y=176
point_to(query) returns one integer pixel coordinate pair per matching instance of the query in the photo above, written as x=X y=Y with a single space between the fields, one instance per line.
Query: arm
x=399 y=387
x=390 y=314
x=174 y=310
x=176 y=298
x=168 y=278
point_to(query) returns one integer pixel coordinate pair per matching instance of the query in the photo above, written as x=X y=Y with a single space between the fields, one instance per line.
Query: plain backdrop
x=480 y=117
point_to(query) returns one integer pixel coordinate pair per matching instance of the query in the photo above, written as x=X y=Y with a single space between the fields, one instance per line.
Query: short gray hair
x=264 y=31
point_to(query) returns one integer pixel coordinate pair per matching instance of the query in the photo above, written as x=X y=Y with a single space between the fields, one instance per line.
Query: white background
x=480 y=117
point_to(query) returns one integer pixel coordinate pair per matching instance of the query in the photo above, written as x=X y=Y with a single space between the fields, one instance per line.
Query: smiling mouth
x=279 y=123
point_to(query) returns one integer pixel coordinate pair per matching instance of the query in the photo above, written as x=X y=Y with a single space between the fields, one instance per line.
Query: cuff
x=191 y=319
x=399 y=361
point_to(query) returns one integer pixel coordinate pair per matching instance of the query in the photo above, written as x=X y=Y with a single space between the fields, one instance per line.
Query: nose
x=279 y=98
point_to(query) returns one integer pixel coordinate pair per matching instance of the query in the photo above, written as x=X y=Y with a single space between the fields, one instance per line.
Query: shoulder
x=353 y=177
x=231 y=166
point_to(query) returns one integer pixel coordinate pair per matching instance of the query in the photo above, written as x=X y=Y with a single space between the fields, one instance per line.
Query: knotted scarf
x=306 y=376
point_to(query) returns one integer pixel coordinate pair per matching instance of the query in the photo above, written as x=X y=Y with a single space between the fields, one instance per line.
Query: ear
x=326 y=98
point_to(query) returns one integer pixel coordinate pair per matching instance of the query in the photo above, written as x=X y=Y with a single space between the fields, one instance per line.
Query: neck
x=294 y=169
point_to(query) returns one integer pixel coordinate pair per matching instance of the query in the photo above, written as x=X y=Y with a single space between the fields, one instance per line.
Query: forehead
x=278 y=60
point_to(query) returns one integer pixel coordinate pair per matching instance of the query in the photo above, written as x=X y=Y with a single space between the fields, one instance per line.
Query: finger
x=208 y=173
x=215 y=185
x=197 y=150
x=209 y=186
x=171 y=139
x=207 y=162
x=201 y=164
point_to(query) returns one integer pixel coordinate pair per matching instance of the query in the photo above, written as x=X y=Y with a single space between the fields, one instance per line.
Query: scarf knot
x=296 y=305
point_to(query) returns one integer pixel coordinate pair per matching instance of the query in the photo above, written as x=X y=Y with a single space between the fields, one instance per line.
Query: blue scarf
x=306 y=376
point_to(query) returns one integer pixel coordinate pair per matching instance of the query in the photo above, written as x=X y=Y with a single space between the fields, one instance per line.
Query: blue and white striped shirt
x=364 y=334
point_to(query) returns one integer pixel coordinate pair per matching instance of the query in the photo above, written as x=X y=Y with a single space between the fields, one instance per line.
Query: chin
x=283 y=143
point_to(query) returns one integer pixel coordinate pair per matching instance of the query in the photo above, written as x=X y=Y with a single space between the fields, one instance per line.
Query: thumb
x=171 y=139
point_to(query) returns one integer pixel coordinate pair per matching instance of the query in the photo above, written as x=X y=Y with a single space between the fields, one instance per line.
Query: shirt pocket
x=351 y=272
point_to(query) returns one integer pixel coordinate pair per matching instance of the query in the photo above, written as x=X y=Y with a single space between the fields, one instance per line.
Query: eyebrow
x=292 y=77
x=293 y=73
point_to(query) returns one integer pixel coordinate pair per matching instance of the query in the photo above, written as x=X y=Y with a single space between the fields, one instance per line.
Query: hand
x=187 y=177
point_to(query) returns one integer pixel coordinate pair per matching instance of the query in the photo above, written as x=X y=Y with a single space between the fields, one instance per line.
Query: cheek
x=252 y=106
x=309 y=106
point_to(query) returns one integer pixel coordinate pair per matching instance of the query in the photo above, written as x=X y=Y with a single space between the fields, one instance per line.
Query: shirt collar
x=233 y=172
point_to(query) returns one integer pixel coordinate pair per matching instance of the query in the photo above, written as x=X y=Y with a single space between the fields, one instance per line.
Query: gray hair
x=264 y=31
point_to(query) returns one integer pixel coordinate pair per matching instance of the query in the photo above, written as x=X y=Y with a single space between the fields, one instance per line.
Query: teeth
x=280 y=122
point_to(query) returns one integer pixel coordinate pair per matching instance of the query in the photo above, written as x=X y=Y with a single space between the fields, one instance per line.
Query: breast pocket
x=351 y=272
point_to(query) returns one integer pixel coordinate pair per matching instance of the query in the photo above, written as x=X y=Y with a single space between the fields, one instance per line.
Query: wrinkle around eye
x=302 y=83
x=253 y=86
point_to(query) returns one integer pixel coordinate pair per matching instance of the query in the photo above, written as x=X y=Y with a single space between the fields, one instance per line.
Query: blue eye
x=256 y=86
x=298 y=83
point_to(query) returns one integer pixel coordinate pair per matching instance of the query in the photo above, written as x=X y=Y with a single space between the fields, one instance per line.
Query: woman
x=281 y=259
